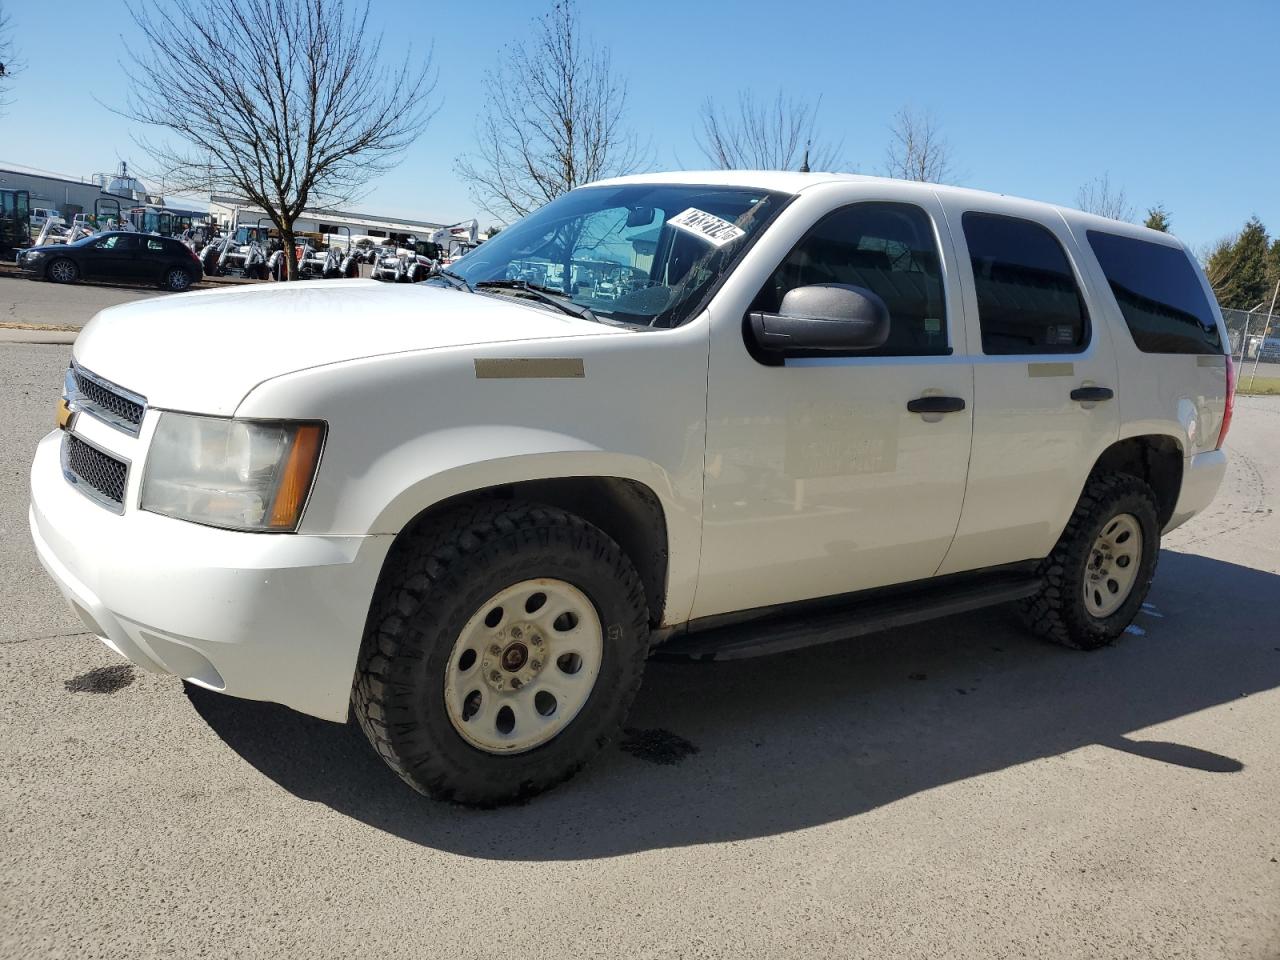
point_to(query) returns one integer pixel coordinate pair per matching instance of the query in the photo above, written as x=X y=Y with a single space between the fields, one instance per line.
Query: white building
x=103 y=193
x=67 y=195
x=224 y=209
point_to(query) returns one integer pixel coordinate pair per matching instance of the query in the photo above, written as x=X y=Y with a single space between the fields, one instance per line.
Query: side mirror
x=830 y=318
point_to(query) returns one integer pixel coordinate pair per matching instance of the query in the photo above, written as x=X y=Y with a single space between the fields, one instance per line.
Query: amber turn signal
x=295 y=481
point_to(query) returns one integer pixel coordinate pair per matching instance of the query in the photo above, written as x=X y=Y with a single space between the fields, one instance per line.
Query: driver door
x=819 y=481
x=114 y=257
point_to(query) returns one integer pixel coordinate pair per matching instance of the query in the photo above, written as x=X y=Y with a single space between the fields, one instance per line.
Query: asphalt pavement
x=40 y=303
x=956 y=790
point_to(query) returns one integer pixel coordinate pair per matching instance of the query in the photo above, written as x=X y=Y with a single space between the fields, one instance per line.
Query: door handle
x=1092 y=394
x=935 y=405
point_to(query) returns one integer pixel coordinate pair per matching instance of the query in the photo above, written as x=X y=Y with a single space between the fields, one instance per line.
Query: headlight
x=237 y=474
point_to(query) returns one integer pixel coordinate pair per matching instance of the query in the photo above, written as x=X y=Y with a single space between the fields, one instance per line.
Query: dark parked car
x=119 y=257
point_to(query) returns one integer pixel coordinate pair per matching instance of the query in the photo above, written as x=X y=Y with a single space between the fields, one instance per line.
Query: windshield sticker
x=708 y=226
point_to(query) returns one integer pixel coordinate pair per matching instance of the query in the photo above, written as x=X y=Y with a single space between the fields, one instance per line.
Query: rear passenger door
x=153 y=259
x=1045 y=390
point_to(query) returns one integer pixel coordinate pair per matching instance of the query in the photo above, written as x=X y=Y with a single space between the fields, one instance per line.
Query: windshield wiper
x=454 y=280
x=545 y=294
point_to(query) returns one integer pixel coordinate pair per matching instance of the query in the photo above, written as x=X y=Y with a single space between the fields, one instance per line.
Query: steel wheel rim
x=62 y=271
x=178 y=280
x=1111 y=569
x=523 y=668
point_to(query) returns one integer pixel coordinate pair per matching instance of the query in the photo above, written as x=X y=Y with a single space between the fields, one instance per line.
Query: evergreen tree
x=1158 y=218
x=1273 y=265
x=1238 y=269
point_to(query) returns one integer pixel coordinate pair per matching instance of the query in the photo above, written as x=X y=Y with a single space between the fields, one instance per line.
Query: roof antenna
x=804 y=164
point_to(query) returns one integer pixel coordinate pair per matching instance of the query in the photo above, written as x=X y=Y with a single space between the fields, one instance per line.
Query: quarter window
x=1159 y=294
x=1028 y=300
x=887 y=248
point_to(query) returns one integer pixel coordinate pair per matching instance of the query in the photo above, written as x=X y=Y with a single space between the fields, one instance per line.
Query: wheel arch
x=1155 y=458
x=627 y=510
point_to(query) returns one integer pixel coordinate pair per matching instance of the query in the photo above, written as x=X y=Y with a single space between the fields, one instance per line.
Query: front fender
x=458 y=461
x=463 y=461
x=410 y=430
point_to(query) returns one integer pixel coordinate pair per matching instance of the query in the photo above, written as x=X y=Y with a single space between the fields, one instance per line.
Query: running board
x=776 y=632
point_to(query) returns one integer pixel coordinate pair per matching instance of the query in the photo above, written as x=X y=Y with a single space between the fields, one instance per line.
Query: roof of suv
x=787 y=181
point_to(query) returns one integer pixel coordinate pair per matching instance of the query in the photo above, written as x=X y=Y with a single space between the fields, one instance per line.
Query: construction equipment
x=416 y=259
x=15 y=219
x=336 y=261
x=406 y=264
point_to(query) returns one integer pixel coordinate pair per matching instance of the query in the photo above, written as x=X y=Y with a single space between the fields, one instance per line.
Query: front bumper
x=28 y=267
x=1201 y=476
x=275 y=617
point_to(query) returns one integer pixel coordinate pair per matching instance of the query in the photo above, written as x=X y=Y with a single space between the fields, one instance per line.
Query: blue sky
x=1178 y=102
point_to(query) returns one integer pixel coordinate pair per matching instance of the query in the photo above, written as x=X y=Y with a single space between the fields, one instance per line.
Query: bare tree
x=553 y=120
x=917 y=150
x=9 y=65
x=285 y=104
x=765 y=135
x=1098 y=196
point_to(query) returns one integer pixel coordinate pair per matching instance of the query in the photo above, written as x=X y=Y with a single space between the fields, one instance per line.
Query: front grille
x=96 y=474
x=106 y=401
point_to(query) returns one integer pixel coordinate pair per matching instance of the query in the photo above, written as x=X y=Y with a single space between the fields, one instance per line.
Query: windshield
x=639 y=253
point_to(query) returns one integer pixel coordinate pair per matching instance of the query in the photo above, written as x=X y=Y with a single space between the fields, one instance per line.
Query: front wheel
x=63 y=270
x=1099 y=573
x=505 y=646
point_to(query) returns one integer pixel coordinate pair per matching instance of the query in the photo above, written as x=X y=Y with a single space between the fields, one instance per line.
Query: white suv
x=721 y=413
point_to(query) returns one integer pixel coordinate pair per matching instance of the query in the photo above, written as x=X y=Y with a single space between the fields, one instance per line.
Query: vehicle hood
x=203 y=352
x=52 y=248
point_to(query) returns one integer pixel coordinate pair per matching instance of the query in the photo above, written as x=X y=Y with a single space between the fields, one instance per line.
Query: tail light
x=1231 y=403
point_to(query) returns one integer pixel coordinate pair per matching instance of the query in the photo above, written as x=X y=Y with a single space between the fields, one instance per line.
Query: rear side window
x=1159 y=293
x=1028 y=300
x=117 y=241
x=888 y=248
x=154 y=244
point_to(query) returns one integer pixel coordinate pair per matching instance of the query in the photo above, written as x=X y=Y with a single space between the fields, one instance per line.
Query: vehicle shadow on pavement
x=818 y=735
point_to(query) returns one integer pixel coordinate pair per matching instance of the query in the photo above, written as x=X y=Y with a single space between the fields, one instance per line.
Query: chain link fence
x=1245 y=330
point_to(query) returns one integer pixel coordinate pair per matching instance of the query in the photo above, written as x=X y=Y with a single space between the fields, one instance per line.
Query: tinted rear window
x=1028 y=301
x=1159 y=293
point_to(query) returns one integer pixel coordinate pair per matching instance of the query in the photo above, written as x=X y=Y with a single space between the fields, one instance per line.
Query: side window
x=108 y=243
x=1028 y=301
x=888 y=248
x=154 y=244
x=1159 y=294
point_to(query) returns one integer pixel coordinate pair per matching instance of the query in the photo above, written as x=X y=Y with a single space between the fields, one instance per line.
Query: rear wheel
x=1101 y=569
x=63 y=270
x=505 y=645
x=176 y=279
